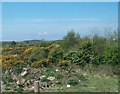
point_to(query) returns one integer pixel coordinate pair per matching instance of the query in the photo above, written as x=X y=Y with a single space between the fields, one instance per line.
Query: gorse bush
x=56 y=54
x=38 y=54
x=41 y=63
x=27 y=52
x=63 y=63
x=11 y=61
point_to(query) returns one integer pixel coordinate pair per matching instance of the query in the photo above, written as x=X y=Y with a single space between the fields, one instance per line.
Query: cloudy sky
x=52 y=21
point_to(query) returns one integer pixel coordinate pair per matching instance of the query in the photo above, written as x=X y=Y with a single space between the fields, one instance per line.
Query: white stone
x=24 y=73
x=7 y=72
x=32 y=87
x=25 y=69
x=51 y=78
x=28 y=81
x=36 y=86
x=14 y=77
x=43 y=76
x=1 y=84
x=56 y=70
x=17 y=82
x=84 y=74
x=68 y=85
x=20 y=80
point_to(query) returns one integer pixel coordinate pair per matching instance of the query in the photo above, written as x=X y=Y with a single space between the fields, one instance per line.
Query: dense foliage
x=72 y=49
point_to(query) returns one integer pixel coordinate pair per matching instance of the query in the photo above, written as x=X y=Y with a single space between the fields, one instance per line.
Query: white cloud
x=41 y=20
x=43 y=34
x=65 y=19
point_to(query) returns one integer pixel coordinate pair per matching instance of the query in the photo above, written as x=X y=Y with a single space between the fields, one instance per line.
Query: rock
x=51 y=78
x=32 y=87
x=17 y=86
x=25 y=69
x=20 y=81
x=36 y=86
x=84 y=74
x=26 y=88
x=7 y=73
x=43 y=76
x=2 y=84
x=44 y=85
x=53 y=85
x=56 y=70
x=24 y=73
x=15 y=55
x=68 y=85
x=27 y=85
x=10 y=70
x=28 y=81
x=14 y=77
x=32 y=81
x=34 y=71
x=61 y=88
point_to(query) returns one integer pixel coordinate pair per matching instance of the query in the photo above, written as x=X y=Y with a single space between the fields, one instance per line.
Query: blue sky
x=52 y=21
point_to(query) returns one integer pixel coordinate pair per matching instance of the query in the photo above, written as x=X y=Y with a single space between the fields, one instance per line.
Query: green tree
x=70 y=40
x=110 y=55
x=82 y=56
x=13 y=43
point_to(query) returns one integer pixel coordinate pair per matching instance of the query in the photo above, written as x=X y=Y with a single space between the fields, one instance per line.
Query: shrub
x=18 y=68
x=20 y=90
x=72 y=82
x=81 y=56
x=59 y=83
x=82 y=77
x=70 y=40
x=38 y=54
x=11 y=61
x=110 y=55
x=56 y=54
x=42 y=63
x=71 y=56
x=10 y=80
x=7 y=88
x=59 y=76
x=63 y=63
x=45 y=80
x=27 y=52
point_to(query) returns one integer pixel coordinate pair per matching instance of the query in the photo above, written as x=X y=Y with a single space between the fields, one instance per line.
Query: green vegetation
x=87 y=60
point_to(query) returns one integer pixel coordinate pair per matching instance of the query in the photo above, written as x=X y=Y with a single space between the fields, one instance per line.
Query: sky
x=60 y=0
x=52 y=20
